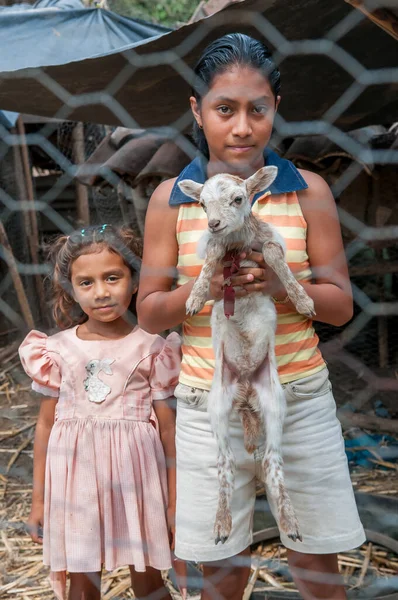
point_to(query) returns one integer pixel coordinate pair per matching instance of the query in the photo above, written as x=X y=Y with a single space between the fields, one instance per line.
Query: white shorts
x=316 y=475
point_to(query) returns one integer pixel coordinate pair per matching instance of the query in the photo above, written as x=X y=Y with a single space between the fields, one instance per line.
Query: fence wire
x=57 y=175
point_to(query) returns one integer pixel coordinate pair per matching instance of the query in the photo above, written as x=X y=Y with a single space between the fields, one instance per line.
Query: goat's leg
x=274 y=257
x=272 y=406
x=199 y=293
x=245 y=403
x=251 y=422
x=220 y=400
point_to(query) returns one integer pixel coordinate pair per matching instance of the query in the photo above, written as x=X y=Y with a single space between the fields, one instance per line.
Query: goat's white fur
x=245 y=377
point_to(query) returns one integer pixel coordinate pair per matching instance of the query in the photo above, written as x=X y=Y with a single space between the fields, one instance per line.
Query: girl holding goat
x=234 y=101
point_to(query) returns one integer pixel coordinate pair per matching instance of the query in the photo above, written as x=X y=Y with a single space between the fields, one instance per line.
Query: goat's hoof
x=292 y=530
x=296 y=537
x=222 y=526
x=289 y=523
x=221 y=539
x=305 y=306
x=193 y=306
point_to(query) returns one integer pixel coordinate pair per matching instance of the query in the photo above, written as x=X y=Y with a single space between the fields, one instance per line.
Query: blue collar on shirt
x=287 y=180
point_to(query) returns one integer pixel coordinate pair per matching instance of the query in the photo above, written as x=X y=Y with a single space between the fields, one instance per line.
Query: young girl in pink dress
x=104 y=477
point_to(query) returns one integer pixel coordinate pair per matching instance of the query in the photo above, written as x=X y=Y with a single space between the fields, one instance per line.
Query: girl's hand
x=35 y=522
x=171 y=524
x=251 y=279
x=264 y=278
x=217 y=283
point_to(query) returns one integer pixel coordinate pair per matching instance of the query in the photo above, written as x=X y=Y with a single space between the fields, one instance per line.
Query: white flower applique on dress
x=96 y=388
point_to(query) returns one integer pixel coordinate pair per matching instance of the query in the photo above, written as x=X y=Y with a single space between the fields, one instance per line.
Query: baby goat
x=245 y=377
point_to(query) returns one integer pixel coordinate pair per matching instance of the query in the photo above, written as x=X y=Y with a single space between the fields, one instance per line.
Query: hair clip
x=82 y=232
x=103 y=227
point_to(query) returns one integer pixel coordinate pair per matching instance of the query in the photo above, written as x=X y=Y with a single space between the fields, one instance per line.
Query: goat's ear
x=261 y=180
x=191 y=188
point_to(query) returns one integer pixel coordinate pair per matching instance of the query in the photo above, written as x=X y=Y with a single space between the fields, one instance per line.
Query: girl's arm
x=165 y=412
x=158 y=306
x=43 y=429
x=331 y=290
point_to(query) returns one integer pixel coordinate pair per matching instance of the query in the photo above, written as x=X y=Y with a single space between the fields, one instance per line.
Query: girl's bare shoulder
x=161 y=196
x=316 y=185
x=317 y=198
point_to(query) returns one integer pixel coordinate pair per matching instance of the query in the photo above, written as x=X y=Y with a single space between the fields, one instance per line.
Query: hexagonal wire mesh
x=44 y=190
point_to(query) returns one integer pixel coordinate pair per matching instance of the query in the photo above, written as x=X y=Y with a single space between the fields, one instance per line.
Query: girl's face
x=237 y=116
x=102 y=285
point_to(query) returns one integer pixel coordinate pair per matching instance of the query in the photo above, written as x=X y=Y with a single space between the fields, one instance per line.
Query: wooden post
x=122 y=191
x=31 y=225
x=383 y=17
x=379 y=216
x=12 y=265
x=83 y=212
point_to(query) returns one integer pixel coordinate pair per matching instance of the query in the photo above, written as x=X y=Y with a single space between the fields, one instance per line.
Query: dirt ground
x=22 y=574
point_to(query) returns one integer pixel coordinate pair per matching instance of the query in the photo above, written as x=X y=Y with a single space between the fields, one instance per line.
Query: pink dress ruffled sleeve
x=166 y=368
x=41 y=364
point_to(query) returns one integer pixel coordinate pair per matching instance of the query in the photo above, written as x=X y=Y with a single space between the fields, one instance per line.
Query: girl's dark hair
x=64 y=250
x=222 y=54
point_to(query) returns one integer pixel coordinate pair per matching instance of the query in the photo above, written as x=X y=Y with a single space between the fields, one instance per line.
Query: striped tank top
x=296 y=349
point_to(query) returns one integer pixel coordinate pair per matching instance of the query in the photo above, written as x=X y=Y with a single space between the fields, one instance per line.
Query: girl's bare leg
x=148 y=585
x=85 y=586
x=226 y=578
x=316 y=575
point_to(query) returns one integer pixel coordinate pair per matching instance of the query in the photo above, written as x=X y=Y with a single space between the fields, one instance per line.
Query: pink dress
x=106 y=485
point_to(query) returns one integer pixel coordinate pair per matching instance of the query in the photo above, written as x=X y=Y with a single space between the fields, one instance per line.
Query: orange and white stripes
x=297 y=350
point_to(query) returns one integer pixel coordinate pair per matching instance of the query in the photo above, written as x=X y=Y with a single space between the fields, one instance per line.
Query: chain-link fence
x=110 y=130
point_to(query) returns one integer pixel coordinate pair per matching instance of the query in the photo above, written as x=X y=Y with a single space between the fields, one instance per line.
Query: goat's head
x=226 y=199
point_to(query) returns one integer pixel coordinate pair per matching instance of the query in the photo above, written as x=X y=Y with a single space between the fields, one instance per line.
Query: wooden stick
x=377 y=268
x=11 y=450
x=13 y=330
x=368 y=422
x=27 y=173
x=269 y=579
x=122 y=586
x=14 y=457
x=20 y=181
x=83 y=212
x=252 y=582
x=124 y=205
x=20 y=184
x=9 y=350
x=382 y=17
x=364 y=566
x=17 y=431
x=33 y=232
x=9 y=367
x=12 y=265
x=8 y=545
x=30 y=573
x=384 y=463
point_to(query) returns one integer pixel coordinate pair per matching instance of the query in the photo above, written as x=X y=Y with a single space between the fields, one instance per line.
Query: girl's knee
x=145 y=583
x=317 y=575
x=323 y=563
x=226 y=578
x=85 y=586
